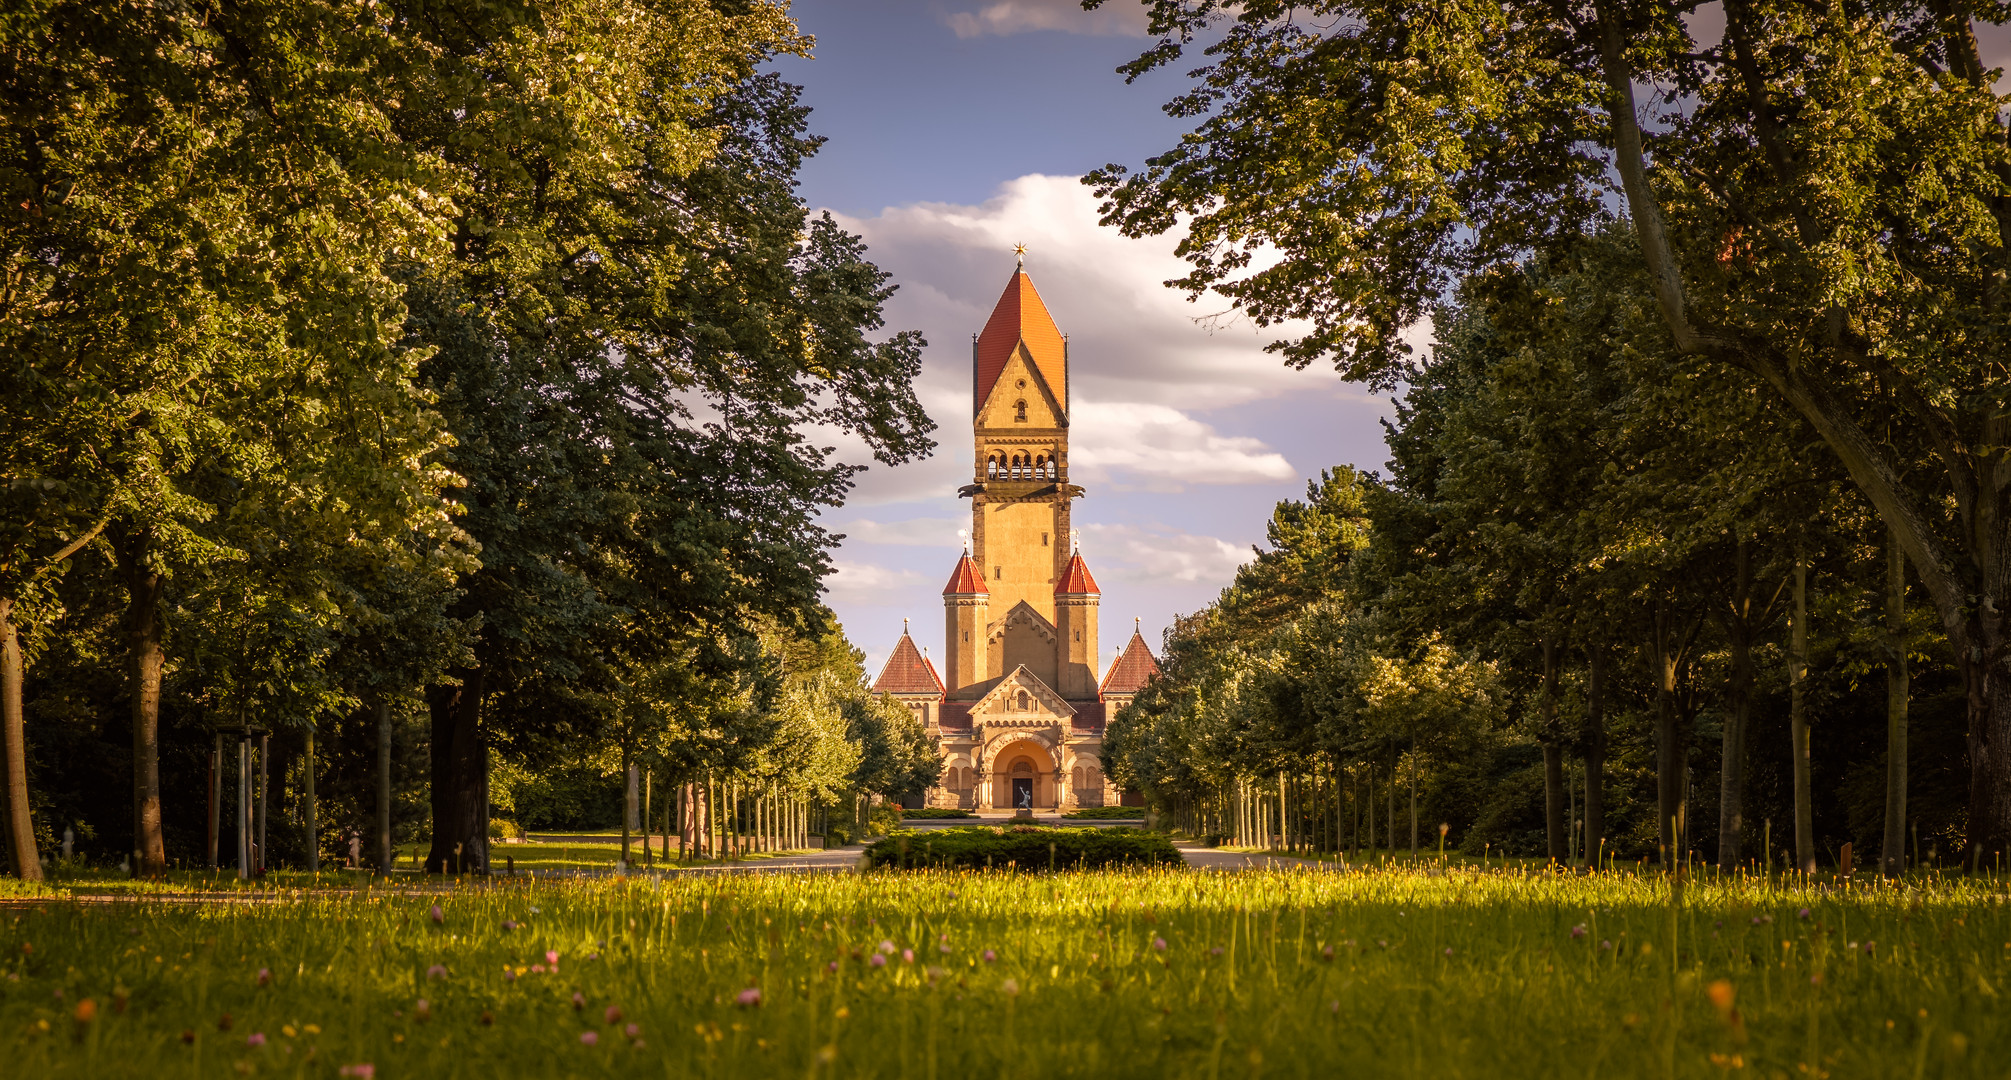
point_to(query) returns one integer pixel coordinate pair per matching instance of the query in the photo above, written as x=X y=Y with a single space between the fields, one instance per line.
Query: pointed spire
x=1133 y=668
x=1075 y=579
x=966 y=579
x=907 y=672
x=1020 y=316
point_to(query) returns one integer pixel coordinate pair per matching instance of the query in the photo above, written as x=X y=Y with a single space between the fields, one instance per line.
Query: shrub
x=1025 y=847
x=883 y=819
x=505 y=829
x=1101 y=813
x=934 y=814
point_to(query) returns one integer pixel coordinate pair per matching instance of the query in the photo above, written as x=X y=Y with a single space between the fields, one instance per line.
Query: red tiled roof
x=966 y=579
x=1131 y=671
x=1075 y=578
x=908 y=672
x=954 y=716
x=1020 y=316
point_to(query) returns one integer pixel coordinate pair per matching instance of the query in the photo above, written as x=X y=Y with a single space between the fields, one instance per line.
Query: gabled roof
x=966 y=578
x=1075 y=579
x=1134 y=667
x=1020 y=316
x=1022 y=679
x=908 y=672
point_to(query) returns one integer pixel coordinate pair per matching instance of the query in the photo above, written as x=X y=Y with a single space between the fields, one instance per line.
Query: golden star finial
x=1019 y=252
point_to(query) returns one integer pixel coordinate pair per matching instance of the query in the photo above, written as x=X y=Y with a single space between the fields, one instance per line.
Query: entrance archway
x=1023 y=777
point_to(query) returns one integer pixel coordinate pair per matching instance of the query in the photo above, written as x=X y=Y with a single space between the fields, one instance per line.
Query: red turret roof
x=1020 y=316
x=966 y=579
x=1075 y=579
x=908 y=672
x=1132 y=669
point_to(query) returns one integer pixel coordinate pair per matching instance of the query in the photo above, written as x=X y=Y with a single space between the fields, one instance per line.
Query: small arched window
x=1019 y=411
x=992 y=468
x=1025 y=702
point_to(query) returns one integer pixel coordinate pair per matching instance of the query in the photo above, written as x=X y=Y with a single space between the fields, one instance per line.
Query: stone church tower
x=1018 y=707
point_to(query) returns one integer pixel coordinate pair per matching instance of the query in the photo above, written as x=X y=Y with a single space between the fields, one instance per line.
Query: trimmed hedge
x=935 y=814
x=1021 y=847
x=1096 y=813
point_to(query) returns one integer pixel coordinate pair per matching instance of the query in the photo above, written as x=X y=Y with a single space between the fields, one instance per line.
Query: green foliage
x=1111 y=813
x=936 y=814
x=1022 y=847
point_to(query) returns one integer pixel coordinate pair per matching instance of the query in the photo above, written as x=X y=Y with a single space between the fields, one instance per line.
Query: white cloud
x=914 y=532
x=1159 y=554
x=858 y=584
x=1116 y=18
x=1166 y=448
x=1130 y=337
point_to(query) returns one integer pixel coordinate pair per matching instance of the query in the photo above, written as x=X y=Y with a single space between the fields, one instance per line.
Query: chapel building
x=1018 y=709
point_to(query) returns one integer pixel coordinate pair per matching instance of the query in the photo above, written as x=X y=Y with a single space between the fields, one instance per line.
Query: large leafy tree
x=1818 y=199
x=638 y=330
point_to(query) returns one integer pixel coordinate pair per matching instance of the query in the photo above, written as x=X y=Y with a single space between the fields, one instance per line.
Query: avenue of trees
x=1698 y=528
x=434 y=386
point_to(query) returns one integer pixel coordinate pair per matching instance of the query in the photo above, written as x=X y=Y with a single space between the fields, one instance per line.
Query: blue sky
x=958 y=128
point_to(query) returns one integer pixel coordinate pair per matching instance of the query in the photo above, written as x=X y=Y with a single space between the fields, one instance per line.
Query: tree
x=1776 y=199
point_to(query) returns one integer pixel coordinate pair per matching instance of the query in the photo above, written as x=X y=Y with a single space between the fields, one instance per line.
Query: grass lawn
x=1161 y=973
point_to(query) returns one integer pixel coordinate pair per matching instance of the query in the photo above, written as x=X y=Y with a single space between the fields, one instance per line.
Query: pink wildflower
x=1159 y=944
x=1578 y=931
x=1326 y=951
x=508 y=926
x=632 y=1031
x=360 y=1071
x=537 y=969
x=255 y=1039
x=508 y=975
x=264 y=976
x=613 y=1014
x=552 y=957
x=887 y=947
x=579 y=1000
x=437 y=915
x=944 y=948
x=1802 y=914
x=990 y=956
x=423 y=1010
x=907 y=956
x=588 y=1038
x=832 y=966
x=748 y=997
x=437 y=971
x=877 y=960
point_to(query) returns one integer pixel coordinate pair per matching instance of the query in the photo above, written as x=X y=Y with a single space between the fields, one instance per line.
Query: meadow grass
x=1468 y=973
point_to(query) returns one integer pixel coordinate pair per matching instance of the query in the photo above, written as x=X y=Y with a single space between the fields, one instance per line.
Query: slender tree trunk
x=1393 y=800
x=1553 y=758
x=385 y=857
x=1892 y=859
x=1738 y=628
x=627 y=803
x=215 y=800
x=648 y=858
x=144 y=583
x=1798 y=728
x=1595 y=752
x=1668 y=763
x=14 y=749
x=459 y=760
x=1413 y=796
x=309 y=805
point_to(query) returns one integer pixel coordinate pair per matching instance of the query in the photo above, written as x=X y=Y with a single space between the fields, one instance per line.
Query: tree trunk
x=1553 y=758
x=1668 y=763
x=309 y=806
x=1892 y=860
x=627 y=803
x=1738 y=628
x=1595 y=754
x=1393 y=800
x=14 y=750
x=144 y=583
x=1798 y=729
x=385 y=857
x=459 y=758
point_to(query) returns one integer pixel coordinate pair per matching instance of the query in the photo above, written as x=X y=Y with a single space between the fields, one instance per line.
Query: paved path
x=1207 y=858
